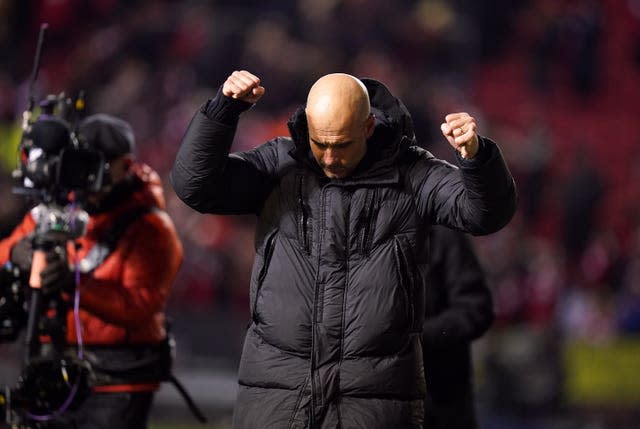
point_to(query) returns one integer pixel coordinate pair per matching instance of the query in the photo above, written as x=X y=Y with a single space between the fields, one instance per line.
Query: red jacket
x=122 y=302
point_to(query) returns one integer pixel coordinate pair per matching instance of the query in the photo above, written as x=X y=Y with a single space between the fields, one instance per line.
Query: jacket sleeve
x=478 y=196
x=152 y=254
x=459 y=303
x=206 y=177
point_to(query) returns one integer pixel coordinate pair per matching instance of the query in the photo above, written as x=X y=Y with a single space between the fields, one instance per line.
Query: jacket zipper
x=405 y=276
x=367 y=234
x=265 y=267
x=312 y=368
x=347 y=279
x=303 y=219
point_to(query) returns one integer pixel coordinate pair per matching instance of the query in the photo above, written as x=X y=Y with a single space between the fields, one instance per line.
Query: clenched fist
x=244 y=86
x=460 y=130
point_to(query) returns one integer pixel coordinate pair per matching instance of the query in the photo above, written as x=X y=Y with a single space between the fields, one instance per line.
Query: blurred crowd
x=555 y=83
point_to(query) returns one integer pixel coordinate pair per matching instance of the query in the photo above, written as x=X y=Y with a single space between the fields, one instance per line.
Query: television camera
x=58 y=171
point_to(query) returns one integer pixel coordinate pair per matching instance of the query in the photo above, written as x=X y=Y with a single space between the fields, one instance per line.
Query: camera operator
x=124 y=266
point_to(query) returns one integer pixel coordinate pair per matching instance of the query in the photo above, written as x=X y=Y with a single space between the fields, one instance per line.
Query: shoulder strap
x=107 y=243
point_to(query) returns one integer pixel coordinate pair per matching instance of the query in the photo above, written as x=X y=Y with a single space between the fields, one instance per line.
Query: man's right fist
x=244 y=86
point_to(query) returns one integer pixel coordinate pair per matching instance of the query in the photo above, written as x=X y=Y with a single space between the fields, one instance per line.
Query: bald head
x=340 y=122
x=336 y=101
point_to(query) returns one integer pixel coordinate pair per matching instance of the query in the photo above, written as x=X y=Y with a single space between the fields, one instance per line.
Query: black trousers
x=108 y=411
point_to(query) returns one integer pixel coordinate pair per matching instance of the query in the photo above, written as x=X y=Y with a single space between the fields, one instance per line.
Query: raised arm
x=479 y=195
x=204 y=175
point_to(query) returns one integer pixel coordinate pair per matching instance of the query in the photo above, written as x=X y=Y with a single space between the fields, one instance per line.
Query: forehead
x=332 y=136
x=336 y=126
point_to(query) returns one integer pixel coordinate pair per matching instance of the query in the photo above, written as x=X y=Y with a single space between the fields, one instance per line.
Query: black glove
x=57 y=276
x=21 y=254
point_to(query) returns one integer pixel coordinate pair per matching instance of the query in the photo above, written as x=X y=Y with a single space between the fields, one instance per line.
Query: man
x=127 y=261
x=344 y=207
x=459 y=309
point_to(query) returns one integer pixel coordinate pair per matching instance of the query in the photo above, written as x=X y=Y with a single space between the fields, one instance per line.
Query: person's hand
x=56 y=276
x=21 y=254
x=244 y=86
x=460 y=130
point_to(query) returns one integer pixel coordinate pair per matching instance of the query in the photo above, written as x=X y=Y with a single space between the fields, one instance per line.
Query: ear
x=370 y=125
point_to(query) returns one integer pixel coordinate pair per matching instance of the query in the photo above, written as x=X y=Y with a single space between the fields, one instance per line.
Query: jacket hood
x=150 y=193
x=393 y=132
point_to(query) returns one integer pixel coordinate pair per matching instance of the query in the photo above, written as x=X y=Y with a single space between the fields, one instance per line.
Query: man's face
x=339 y=151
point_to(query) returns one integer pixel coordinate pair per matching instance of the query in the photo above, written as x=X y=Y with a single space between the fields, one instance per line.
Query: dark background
x=555 y=82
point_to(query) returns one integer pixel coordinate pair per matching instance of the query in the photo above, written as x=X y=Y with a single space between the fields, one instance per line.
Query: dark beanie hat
x=108 y=134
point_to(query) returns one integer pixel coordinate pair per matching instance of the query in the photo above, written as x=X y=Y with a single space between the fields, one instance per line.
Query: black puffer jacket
x=337 y=297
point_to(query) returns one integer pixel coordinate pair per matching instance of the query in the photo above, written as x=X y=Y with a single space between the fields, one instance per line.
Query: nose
x=329 y=156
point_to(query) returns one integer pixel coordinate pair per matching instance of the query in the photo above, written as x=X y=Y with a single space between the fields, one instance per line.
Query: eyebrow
x=332 y=145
